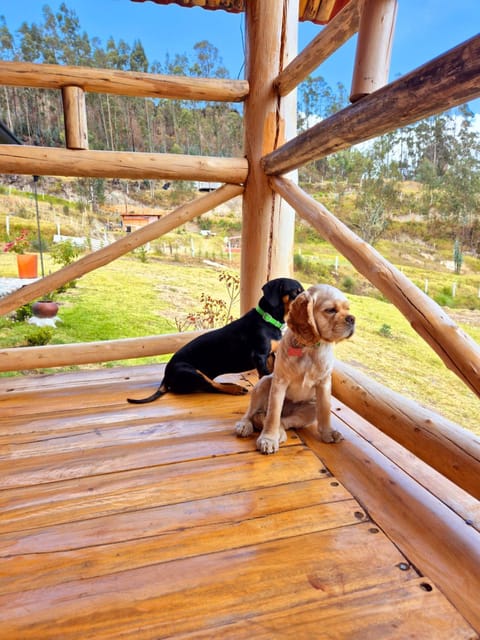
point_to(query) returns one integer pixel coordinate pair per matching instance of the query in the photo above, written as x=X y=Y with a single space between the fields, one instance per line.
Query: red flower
x=18 y=244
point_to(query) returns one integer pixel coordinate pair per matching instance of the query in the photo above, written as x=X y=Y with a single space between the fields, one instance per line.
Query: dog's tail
x=162 y=390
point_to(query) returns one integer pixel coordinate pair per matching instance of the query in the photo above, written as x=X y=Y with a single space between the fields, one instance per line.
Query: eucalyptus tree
x=460 y=188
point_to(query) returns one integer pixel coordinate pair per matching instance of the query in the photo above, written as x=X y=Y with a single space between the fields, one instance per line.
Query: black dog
x=242 y=345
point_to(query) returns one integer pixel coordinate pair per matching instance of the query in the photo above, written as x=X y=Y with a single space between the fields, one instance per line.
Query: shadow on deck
x=155 y=521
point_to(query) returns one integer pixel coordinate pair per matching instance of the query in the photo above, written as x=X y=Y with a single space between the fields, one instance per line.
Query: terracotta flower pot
x=27 y=264
x=45 y=309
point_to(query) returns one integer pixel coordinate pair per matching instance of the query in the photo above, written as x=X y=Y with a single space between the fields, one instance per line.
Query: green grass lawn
x=130 y=298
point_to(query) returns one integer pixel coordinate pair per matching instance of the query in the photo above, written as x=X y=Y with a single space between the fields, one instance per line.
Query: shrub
x=65 y=252
x=24 y=312
x=298 y=262
x=385 y=331
x=348 y=284
x=141 y=253
x=39 y=337
x=444 y=298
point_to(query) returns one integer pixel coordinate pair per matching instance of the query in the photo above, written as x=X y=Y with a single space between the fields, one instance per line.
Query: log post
x=75 y=116
x=374 y=47
x=267 y=229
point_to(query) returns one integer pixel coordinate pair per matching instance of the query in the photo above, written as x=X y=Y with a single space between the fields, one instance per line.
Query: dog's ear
x=272 y=292
x=301 y=320
x=280 y=291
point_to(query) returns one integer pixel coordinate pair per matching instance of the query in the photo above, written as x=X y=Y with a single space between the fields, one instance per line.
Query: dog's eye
x=331 y=310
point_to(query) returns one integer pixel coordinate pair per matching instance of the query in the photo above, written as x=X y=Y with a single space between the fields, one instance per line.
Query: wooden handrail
x=54 y=161
x=126 y=83
x=458 y=351
x=447 y=447
x=60 y=355
x=449 y=80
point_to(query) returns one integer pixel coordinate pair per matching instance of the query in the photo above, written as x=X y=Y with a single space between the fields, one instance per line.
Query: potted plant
x=27 y=263
x=45 y=308
x=44 y=312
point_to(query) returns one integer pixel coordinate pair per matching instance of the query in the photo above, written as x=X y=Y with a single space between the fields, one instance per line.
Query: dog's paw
x=267 y=445
x=244 y=428
x=330 y=436
x=231 y=388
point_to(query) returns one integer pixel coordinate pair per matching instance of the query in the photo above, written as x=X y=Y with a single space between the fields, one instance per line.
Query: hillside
x=415 y=244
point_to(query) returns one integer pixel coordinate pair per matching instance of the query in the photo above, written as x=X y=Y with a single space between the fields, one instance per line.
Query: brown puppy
x=297 y=393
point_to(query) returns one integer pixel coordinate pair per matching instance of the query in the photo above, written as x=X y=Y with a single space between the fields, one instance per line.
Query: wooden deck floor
x=155 y=521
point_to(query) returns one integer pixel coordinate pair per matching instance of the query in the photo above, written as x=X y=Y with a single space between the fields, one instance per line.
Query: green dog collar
x=268 y=318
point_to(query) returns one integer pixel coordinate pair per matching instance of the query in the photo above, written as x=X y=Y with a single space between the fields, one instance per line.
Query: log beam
x=119 y=248
x=451 y=450
x=125 y=83
x=374 y=47
x=459 y=352
x=53 y=161
x=449 y=80
x=343 y=26
x=75 y=116
x=60 y=355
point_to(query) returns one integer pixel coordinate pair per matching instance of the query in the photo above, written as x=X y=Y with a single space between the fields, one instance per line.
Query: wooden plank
x=29 y=417
x=81 y=377
x=112 y=544
x=125 y=83
x=131 y=376
x=97 y=438
x=433 y=537
x=415 y=609
x=152 y=601
x=109 y=459
x=71 y=500
x=88 y=413
x=105 y=397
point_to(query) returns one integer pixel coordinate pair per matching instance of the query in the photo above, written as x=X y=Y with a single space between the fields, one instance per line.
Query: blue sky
x=425 y=29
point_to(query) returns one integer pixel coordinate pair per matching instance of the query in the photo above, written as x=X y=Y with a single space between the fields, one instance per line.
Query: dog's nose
x=350 y=320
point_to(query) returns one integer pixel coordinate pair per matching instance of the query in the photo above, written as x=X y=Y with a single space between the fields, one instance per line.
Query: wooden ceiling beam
x=332 y=37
